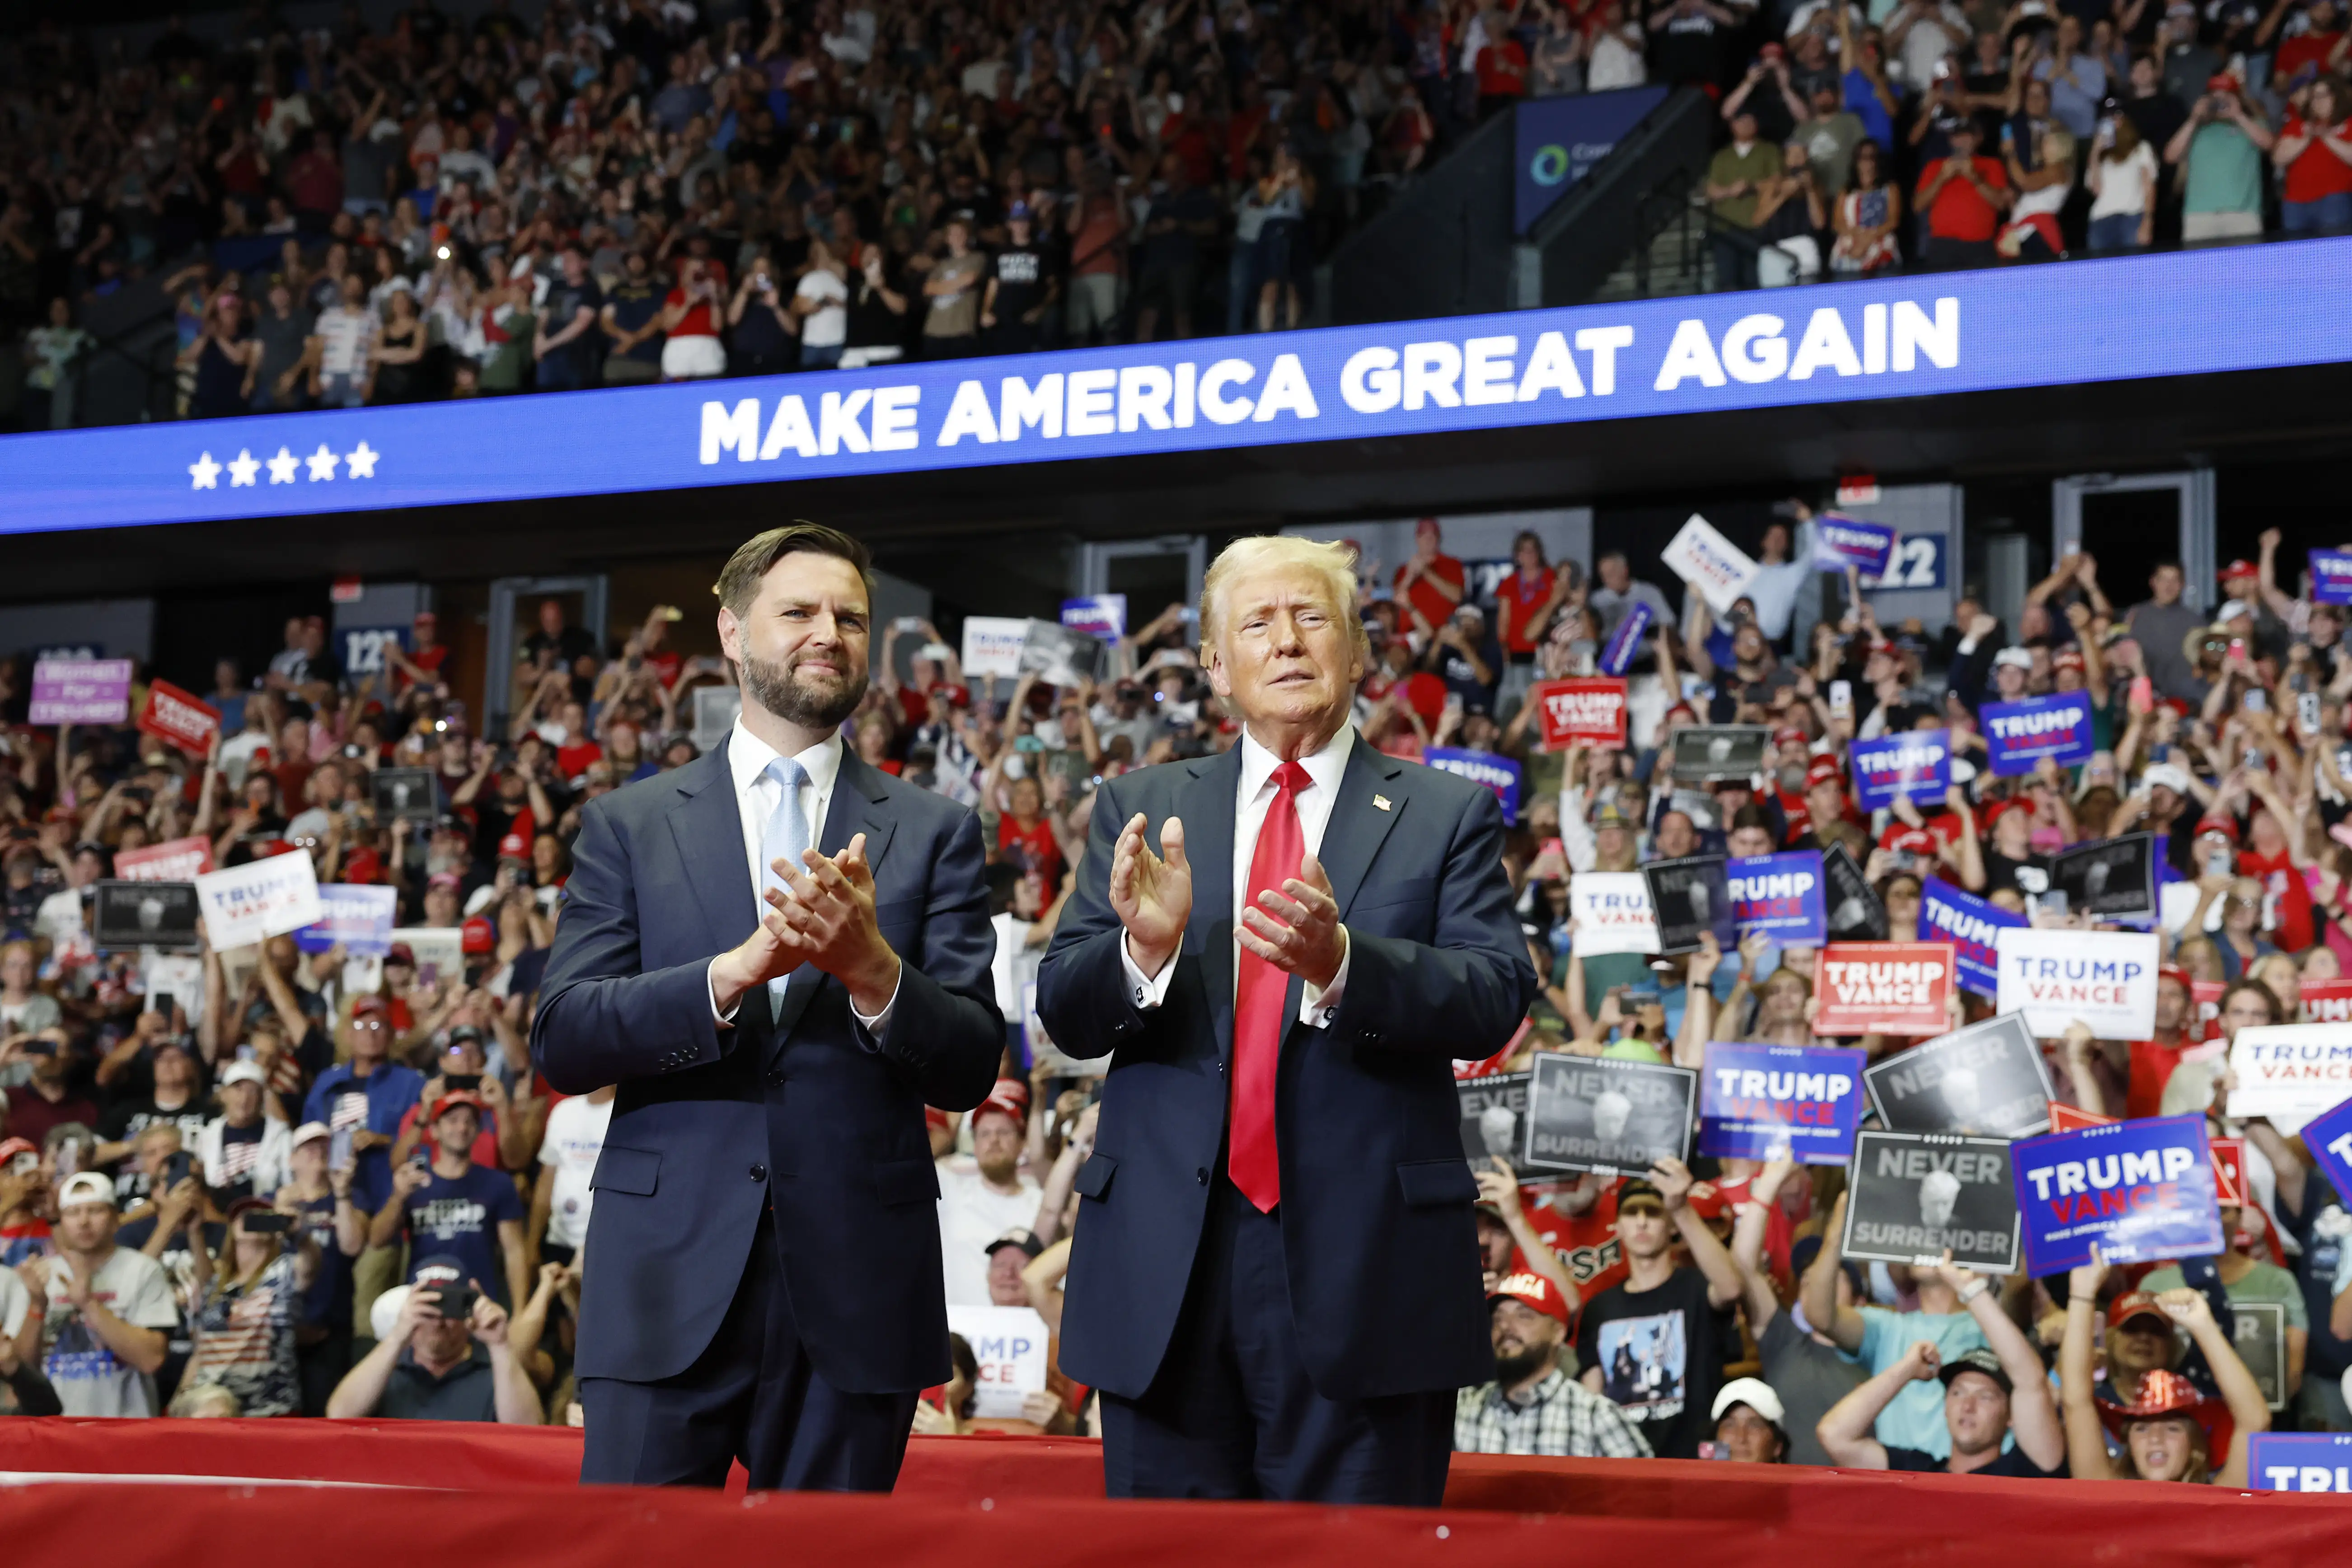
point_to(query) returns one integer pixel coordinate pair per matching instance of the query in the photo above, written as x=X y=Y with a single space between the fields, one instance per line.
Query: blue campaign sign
x=1779 y=896
x=1843 y=541
x=363 y=647
x=1972 y=925
x=1618 y=652
x=1826 y=343
x=1497 y=773
x=2019 y=734
x=1914 y=762
x=353 y=915
x=1557 y=140
x=2331 y=576
x=2329 y=1136
x=1918 y=562
x=1100 y=615
x=2138 y=1191
x=2300 y=1462
x=1757 y=1101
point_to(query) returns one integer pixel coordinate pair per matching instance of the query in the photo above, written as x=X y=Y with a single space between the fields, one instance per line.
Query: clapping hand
x=1151 y=895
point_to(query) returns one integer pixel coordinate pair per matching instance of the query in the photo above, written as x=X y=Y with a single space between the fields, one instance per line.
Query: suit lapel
x=1354 y=833
x=860 y=804
x=1206 y=807
x=709 y=830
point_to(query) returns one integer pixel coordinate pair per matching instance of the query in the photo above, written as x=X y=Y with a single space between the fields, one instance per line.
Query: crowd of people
x=296 y=1178
x=1955 y=135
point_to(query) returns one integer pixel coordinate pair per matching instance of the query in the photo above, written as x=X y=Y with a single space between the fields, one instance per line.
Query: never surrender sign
x=1759 y=1102
x=1916 y=764
x=1972 y=925
x=1913 y=1195
x=1988 y=1078
x=1691 y=897
x=1779 y=897
x=2105 y=979
x=1500 y=774
x=2137 y=1191
x=1601 y=1114
x=2019 y=734
x=1494 y=1113
x=1585 y=712
x=1884 y=988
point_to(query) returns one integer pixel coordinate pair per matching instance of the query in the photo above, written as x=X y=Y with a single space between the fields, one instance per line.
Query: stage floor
x=183 y=1494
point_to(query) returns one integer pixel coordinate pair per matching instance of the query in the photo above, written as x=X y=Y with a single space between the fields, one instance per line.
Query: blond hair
x=1334 y=563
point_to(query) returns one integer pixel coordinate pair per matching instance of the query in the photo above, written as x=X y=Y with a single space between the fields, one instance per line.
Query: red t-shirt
x=428 y=659
x=2315 y=172
x=1961 y=210
x=572 y=761
x=1520 y=596
x=2151 y=1069
x=1035 y=846
x=1503 y=69
x=1587 y=1243
x=2283 y=885
x=2293 y=53
x=1435 y=607
x=697 y=322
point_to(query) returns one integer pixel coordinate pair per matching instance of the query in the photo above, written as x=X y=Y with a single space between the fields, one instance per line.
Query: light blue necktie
x=787 y=835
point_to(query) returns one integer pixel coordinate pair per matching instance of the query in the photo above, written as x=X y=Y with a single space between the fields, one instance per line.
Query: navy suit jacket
x=800 y=1106
x=1377 y=1228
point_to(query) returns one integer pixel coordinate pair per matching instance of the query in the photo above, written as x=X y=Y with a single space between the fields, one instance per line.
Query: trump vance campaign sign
x=1916 y=764
x=1884 y=988
x=1581 y=713
x=2019 y=734
x=2291 y=1070
x=1972 y=925
x=2105 y=979
x=1500 y=774
x=1612 y=913
x=1718 y=568
x=2137 y=1191
x=1779 y=897
x=1757 y=1101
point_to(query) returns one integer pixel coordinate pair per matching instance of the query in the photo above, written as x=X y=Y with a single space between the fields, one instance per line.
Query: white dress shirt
x=1318 y=1006
x=748 y=757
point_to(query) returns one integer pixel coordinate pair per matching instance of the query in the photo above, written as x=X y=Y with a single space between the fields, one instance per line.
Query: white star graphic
x=322 y=463
x=362 y=461
x=243 y=471
x=206 y=472
x=282 y=466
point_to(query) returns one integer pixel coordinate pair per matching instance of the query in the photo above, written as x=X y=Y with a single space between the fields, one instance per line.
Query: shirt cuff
x=875 y=1025
x=1145 y=992
x=1319 y=1005
x=725 y=1020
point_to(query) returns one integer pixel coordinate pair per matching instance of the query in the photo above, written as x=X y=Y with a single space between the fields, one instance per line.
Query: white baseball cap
x=311 y=1132
x=244 y=1072
x=2169 y=776
x=85 y=1187
x=1755 y=1393
x=2016 y=657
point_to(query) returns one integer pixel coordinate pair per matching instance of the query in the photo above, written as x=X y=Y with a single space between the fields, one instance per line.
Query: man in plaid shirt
x=1534 y=1407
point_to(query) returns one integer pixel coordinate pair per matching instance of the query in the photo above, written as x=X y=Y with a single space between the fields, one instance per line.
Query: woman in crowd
x=1869 y=213
x=2122 y=181
x=250 y=1303
x=2313 y=154
x=2168 y=1432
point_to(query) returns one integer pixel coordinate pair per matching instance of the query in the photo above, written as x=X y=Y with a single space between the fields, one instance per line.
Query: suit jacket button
x=759 y=1173
x=776 y=1079
x=1201 y=1175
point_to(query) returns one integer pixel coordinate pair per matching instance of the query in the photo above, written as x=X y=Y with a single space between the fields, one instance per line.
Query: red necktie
x=1259 y=999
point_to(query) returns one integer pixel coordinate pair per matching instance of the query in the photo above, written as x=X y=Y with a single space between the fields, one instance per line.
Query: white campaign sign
x=258 y=899
x=439 y=950
x=1009 y=1344
x=1718 y=568
x=992 y=643
x=1612 y=913
x=2293 y=1070
x=2106 y=979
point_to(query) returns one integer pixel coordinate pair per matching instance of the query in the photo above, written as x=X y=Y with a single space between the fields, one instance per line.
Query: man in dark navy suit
x=764 y=1258
x=1275 y=1275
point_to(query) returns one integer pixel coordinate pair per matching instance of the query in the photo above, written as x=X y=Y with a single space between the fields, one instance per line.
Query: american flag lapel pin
x=1380 y=801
